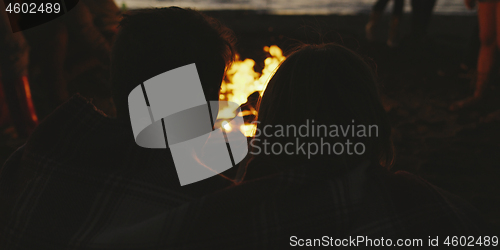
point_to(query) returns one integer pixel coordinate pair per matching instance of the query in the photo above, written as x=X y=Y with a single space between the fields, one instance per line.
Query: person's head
x=329 y=89
x=153 y=41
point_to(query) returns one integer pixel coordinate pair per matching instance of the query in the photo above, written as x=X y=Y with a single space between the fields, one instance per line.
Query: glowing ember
x=241 y=81
x=226 y=126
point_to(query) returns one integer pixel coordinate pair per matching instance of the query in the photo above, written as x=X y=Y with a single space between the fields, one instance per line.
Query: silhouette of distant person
x=375 y=16
x=81 y=171
x=421 y=13
x=58 y=52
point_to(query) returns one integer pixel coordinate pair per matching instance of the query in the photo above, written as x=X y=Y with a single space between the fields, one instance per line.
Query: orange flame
x=241 y=81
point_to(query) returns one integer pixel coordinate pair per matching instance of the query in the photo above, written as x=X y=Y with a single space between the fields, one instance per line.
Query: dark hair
x=153 y=41
x=329 y=84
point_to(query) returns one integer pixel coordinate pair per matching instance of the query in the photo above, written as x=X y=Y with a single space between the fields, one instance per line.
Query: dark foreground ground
x=458 y=151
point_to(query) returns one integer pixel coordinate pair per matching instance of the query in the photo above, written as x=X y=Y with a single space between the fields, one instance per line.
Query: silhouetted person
x=420 y=19
x=82 y=172
x=375 y=16
x=469 y=60
x=70 y=45
x=14 y=80
x=421 y=13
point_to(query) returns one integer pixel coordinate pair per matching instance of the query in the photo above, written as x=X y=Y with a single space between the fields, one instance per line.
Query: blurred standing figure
x=376 y=14
x=489 y=35
x=421 y=13
x=14 y=61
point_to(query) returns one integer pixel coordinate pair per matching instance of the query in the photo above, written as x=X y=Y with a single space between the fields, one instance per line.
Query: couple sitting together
x=82 y=182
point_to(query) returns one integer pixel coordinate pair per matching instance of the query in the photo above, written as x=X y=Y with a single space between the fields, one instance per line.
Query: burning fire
x=241 y=81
